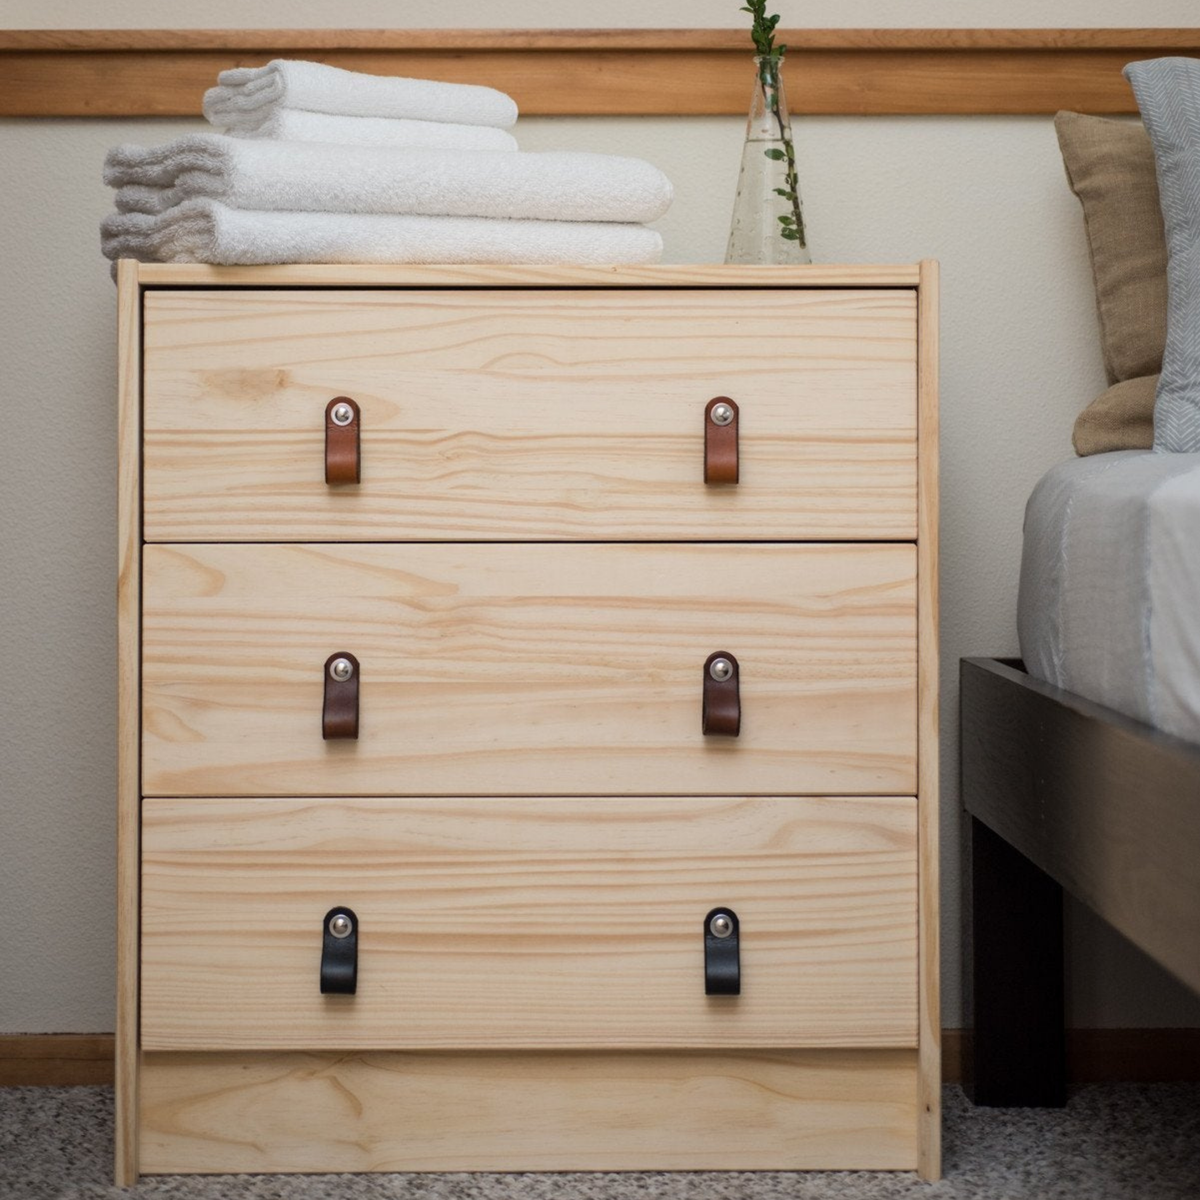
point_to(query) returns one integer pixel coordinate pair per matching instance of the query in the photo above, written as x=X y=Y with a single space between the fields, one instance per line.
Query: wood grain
x=529 y=1112
x=1103 y=804
x=128 y=797
x=489 y=924
x=529 y=670
x=511 y=275
x=732 y=39
x=570 y=670
x=530 y=415
x=583 y=72
x=928 y=741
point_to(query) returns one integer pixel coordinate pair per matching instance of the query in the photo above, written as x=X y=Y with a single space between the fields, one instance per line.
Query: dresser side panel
x=929 y=1107
x=129 y=587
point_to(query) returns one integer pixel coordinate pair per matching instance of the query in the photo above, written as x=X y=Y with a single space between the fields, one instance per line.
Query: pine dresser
x=528 y=719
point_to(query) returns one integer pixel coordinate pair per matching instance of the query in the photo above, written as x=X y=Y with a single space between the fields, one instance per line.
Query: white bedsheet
x=1110 y=584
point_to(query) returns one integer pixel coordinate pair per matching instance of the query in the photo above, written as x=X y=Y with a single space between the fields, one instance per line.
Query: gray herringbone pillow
x=1168 y=94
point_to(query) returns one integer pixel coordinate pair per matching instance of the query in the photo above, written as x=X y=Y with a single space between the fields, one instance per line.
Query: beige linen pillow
x=1110 y=167
x=1122 y=418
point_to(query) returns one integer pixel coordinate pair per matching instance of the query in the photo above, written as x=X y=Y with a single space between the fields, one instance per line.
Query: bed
x=1081 y=762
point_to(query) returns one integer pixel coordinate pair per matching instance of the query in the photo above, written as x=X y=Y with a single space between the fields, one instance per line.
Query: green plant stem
x=768 y=73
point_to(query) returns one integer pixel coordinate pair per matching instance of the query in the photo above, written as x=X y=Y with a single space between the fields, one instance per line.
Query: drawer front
x=584 y=1110
x=530 y=415
x=528 y=923
x=528 y=670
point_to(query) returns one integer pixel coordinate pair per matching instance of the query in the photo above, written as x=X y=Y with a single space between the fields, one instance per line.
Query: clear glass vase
x=768 y=220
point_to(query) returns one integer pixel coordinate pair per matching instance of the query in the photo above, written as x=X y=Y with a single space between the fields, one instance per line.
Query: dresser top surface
x=481 y=275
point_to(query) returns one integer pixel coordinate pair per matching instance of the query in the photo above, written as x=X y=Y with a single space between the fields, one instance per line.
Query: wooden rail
x=677 y=72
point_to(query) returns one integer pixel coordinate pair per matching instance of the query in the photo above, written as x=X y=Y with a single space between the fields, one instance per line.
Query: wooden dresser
x=528 y=719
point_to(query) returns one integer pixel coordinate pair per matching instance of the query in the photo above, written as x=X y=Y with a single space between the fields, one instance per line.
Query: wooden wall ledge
x=678 y=72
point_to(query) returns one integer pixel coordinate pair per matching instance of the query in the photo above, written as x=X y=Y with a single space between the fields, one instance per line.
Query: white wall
x=985 y=195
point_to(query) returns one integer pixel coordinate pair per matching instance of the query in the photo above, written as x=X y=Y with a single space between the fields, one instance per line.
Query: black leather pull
x=339 y=953
x=339 y=714
x=722 y=962
x=721 y=710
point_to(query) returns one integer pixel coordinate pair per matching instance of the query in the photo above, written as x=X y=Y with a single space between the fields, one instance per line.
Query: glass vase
x=768 y=220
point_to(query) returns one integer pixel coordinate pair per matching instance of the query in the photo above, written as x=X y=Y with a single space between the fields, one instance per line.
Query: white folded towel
x=295 y=125
x=313 y=176
x=210 y=232
x=246 y=94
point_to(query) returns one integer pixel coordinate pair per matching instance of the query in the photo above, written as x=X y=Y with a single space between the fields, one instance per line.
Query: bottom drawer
x=538 y=923
x=557 y=1111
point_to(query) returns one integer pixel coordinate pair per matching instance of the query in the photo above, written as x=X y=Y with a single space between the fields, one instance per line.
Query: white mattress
x=1110 y=584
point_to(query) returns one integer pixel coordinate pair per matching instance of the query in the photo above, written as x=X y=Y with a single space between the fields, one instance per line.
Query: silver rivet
x=721 y=414
x=341 y=669
x=721 y=926
x=720 y=669
x=341 y=927
x=342 y=414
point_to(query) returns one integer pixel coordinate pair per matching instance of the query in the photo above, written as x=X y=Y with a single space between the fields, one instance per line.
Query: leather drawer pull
x=339 y=719
x=339 y=953
x=342 y=442
x=722 y=960
x=721 y=441
x=721 y=713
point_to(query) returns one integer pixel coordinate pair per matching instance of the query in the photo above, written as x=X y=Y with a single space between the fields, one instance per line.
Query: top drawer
x=529 y=415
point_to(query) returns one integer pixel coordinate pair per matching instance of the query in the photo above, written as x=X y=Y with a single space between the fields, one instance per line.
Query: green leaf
x=784 y=193
x=792 y=235
x=775 y=155
x=762 y=28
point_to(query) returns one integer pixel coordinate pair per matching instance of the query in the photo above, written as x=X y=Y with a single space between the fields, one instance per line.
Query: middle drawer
x=529 y=669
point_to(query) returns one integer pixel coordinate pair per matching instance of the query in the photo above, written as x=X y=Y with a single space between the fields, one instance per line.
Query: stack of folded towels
x=321 y=165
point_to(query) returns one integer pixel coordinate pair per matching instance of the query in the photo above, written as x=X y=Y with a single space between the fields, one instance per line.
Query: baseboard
x=1093 y=1056
x=55 y=1059
x=1106 y=1055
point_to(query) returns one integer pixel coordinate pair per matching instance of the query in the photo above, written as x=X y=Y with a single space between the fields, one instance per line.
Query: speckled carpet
x=1113 y=1140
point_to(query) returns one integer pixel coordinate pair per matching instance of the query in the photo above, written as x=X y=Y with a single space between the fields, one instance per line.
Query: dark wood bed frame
x=1063 y=794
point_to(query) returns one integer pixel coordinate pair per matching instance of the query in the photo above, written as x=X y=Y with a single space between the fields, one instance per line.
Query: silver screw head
x=340 y=926
x=720 y=669
x=342 y=414
x=341 y=669
x=721 y=414
x=721 y=925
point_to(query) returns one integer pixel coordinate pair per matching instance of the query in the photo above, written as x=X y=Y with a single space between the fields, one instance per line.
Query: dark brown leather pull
x=721 y=715
x=340 y=716
x=342 y=425
x=721 y=441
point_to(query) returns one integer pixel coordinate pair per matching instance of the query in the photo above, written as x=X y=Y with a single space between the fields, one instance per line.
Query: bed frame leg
x=1017 y=1055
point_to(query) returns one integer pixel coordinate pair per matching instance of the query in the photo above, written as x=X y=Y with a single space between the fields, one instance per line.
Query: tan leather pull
x=342 y=424
x=340 y=716
x=721 y=441
x=721 y=714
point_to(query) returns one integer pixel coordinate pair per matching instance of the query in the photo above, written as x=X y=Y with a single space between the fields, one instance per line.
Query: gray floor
x=1115 y=1140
